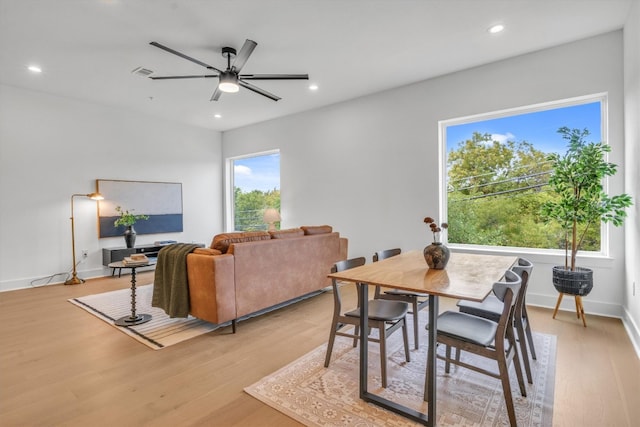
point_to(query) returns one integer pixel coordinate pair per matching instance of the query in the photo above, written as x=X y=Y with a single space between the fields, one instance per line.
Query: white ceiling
x=350 y=48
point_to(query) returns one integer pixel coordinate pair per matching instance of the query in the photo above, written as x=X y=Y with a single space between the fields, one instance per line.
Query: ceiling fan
x=230 y=79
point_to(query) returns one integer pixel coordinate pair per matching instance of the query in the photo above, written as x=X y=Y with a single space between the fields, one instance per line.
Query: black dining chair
x=486 y=338
x=418 y=301
x=386 y=316
x=491 y=308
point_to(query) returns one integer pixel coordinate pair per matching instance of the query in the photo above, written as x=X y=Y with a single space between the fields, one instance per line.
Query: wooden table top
x=467 y=276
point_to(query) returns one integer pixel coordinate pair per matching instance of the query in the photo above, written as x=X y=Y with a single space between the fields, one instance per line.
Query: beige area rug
x=317 y=396
x=161 y=331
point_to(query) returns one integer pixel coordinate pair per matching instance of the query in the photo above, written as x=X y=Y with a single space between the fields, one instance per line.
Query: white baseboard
x=632 y=330
x=37 y=282
x=591 y=307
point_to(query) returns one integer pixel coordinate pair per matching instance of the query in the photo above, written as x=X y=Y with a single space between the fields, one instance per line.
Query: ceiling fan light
x=228 y=83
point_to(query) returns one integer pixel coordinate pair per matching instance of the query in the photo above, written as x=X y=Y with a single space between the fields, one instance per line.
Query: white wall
x=52 y=147
x=632 y=175
x=369 y=166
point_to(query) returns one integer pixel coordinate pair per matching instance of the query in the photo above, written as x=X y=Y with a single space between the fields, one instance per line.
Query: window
x=254 y=187
x=497 y=173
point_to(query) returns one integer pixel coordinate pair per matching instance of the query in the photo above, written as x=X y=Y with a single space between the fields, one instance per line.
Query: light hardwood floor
x=60 y=365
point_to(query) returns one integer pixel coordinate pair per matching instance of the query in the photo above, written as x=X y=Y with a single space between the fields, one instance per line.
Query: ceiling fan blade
x=243 y=55
x=182 y=77
x=182 y=55
x=274 y=76
x=216 y=94
x=258 y=90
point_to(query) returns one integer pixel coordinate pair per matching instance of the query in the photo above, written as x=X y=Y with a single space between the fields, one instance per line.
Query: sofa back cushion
x=310 y=230
x=287 y=233
x=222 y=241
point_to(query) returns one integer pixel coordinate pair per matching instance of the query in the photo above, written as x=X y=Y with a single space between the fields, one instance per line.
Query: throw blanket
x=170 y=285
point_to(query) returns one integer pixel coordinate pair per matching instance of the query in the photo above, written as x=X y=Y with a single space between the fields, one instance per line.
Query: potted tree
x=580 y=203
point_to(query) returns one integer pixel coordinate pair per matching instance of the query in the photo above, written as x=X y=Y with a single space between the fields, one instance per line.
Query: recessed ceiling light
x=494 y=29
x=34 y=69
x=313 y=87
x=217 y=116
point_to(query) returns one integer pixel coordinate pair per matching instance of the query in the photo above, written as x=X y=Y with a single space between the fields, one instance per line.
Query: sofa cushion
x=222 y=241
x=287 y=233
x=310 y=230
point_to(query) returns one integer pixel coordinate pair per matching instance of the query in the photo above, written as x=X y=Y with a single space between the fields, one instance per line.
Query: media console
x=110 y=255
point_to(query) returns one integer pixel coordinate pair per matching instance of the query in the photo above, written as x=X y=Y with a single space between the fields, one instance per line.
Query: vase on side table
x=130 y=236
x=437 y=255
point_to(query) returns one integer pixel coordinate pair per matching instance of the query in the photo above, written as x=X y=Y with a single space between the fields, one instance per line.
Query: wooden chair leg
x=506 y=388
x=383 y=355
x=447 y=364
x=405 y=337
x=527 y=329
x=523 y=350
x=516 y=362
x=416 y=332
x=332 y=338
x=557 y=305
x=356 y=335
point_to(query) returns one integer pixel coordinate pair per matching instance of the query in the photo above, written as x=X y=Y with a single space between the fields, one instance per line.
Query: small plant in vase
x=128 y=219
x=436 y=254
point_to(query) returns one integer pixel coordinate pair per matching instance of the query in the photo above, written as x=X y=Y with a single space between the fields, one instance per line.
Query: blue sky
x=257 y=173
x=539 y=128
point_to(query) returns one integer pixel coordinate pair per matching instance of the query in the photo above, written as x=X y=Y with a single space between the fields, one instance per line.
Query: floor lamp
x=75 y=280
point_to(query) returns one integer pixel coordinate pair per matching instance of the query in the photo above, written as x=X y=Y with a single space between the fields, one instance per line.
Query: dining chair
x=386 y=316
x=486 y=338
x=491 y=308
x=418 y=301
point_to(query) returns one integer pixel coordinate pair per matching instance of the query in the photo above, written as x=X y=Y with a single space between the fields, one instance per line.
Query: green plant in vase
x=580 y=203
x=127 y=219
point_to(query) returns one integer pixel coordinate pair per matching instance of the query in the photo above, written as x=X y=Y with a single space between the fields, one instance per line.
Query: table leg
x=431 y=356
x=374 y=398
x=133 y=319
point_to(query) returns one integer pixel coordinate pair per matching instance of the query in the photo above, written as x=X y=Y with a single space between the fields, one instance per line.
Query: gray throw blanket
x=170 y=285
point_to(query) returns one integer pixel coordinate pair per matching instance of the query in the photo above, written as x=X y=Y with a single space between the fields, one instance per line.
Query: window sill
x=542 y=256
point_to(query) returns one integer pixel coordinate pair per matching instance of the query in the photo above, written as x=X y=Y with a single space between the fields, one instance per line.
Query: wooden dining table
x=467 y=276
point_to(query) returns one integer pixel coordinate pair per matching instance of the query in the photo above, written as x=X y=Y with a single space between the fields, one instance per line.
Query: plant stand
x=577 y=283
x=579 y=308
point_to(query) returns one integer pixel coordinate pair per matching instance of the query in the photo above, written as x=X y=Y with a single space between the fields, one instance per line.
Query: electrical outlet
x=85 y=253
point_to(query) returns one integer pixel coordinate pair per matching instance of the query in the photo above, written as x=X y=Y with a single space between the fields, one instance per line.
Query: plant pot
x=130 y=236
x=437 y=255
x=578 y=282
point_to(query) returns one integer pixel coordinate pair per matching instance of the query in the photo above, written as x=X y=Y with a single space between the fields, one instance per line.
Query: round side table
x=134 y=318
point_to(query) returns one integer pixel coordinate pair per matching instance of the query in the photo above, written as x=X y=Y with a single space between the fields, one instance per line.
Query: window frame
x=601 y=97
x=229 y=202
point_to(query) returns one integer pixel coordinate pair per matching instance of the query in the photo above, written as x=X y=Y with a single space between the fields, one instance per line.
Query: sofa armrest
x=212 y=293
x=344 y=248
x=206 y=251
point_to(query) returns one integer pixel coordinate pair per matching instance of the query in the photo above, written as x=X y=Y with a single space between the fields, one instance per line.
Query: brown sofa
x=243 y=273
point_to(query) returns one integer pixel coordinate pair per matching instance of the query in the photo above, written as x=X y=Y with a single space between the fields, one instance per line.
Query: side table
x=133 y=319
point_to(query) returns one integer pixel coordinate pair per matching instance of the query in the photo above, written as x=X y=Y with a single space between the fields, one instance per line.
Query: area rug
x=317 y=396
x=161 y=331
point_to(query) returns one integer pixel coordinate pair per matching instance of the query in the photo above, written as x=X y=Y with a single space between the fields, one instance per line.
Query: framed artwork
x=161 y=201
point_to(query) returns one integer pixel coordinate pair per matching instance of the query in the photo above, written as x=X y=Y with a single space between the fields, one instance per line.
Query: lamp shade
x=271 y=215
x=228 y=83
